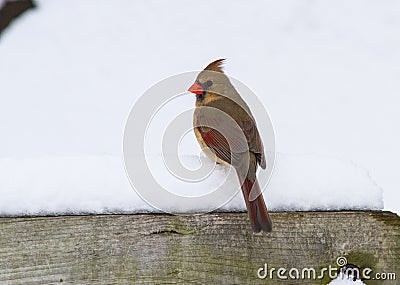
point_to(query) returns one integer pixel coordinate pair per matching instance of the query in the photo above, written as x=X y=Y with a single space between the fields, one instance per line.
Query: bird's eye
x=208 y=84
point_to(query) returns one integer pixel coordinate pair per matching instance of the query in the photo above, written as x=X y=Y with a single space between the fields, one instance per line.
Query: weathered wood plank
x=216 y=248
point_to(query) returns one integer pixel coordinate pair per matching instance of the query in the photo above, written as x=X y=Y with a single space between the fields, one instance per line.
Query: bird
x=227 y=132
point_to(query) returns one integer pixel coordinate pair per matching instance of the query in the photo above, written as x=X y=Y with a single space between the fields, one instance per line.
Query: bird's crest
x=216 y=65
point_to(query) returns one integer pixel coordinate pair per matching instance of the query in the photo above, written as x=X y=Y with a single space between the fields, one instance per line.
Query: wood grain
x=216 y=248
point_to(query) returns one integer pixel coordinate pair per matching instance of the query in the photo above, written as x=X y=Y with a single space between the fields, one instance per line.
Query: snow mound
x=311 y=182
x=98 y=184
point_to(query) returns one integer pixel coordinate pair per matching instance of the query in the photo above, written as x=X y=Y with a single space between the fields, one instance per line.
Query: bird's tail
x=258 y=213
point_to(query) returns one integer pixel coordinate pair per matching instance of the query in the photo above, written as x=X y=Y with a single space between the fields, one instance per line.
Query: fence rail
x=216 y=248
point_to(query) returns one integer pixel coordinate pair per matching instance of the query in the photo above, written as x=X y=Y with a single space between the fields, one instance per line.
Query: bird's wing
x=217 y=143
x=239 y=110
x=221 y=134
x=254 y=140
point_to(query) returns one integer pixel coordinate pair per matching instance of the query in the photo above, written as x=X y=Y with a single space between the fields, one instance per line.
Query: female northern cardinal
x=227 y=132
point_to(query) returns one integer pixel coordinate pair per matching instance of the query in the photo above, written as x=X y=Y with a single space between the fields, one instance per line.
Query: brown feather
x=216 y=65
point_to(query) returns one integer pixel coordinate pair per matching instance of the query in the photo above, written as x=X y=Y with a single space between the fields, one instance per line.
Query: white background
x=327 y=71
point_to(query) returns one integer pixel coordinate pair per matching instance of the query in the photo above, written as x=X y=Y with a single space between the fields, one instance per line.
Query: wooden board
x=216 y=248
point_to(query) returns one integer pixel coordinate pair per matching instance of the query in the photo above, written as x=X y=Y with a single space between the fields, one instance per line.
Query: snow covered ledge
x=216 y=248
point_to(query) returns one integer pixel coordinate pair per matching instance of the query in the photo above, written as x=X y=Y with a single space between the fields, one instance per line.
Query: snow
x=326 y=71
x=98 y=184
x=336 y=185
x=65 y=184
x=344 y=280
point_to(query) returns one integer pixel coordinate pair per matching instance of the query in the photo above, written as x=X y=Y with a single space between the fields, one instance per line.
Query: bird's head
x=211 y=80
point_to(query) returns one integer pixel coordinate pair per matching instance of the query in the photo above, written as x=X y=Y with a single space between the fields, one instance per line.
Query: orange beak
x=196 y=88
